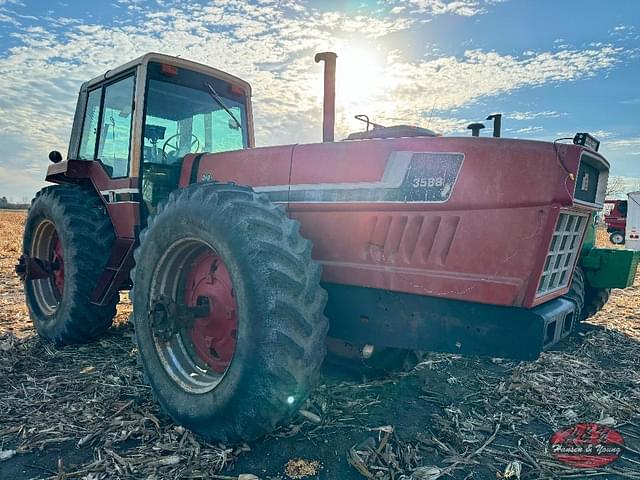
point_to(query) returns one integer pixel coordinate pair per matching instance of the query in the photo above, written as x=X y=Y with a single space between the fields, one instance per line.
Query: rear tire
x=617 y=238
x=244 y=387
x=382 y=361
x=70 y=223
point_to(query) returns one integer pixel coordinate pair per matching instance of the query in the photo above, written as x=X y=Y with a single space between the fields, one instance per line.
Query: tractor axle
x=167 y=316
x=34 y=268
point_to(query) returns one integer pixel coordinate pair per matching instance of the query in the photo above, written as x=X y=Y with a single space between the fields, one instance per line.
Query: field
x=84 y=412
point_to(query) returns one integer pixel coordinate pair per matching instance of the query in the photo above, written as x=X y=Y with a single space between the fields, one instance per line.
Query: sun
x=360 y=76
x=364 y=84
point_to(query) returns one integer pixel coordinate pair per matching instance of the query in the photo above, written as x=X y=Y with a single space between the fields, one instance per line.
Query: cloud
x=533 y=115
x=8 y=19
x=624 y=32
x=623 y=154
x=531 y=129
x=466 y=8
x=631 y=143
x=602 y=134
x=271 y=46
x=450 y=82
x=631 y=101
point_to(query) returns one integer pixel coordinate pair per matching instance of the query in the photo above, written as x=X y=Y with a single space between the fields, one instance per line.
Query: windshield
x=181 y=116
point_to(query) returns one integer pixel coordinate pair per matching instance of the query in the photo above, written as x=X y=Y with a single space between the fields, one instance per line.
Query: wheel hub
x=44 y=267
x=58 y=258
x=213 y=336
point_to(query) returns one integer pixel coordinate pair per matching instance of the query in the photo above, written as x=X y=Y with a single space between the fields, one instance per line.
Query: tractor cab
x=139 y=121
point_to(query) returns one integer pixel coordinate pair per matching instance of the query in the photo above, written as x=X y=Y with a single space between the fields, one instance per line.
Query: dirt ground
x=84 y=412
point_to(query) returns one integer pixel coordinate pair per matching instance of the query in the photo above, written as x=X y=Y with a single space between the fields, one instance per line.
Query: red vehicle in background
x=615 y=217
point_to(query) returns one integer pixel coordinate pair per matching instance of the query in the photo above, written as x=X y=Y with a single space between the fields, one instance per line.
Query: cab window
x=115 y=131
x=106 y=131
x=90 y=125
x=181 y=120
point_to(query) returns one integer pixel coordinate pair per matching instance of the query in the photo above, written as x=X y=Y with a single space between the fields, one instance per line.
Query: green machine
x=603 y=269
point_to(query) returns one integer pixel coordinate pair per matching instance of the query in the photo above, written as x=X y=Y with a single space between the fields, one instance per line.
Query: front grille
x=564 y=248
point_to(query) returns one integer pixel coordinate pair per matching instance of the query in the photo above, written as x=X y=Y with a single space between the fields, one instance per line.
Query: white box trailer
x=632 y=235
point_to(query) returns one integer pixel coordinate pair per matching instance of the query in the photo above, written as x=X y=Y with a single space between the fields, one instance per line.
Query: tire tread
x=90 y=235
x=295 y=316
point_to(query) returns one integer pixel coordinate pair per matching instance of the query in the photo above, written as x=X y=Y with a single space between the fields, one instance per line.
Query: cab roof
x=171 y=60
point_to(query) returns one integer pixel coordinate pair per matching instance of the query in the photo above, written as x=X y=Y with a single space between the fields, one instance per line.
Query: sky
x=553 y=68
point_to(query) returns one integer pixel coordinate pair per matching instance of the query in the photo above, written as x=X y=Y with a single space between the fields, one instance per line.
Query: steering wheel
x=174 y=146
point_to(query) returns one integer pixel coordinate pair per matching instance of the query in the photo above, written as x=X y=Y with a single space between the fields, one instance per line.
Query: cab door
x=106 y=139
x=105 y=142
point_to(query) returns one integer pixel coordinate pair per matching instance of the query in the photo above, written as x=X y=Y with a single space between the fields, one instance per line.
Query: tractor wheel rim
x=47 y=245
x=198 y=352
x=58 y=257
x=214 y=336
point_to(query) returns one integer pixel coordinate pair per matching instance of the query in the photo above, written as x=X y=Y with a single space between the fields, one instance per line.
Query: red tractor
x=616 y=220
x=241 y=259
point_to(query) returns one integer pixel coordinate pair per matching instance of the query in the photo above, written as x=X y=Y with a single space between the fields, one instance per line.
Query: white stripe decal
x=112 y=196
x=416 y=177
x=120 y=190
x=392 y=177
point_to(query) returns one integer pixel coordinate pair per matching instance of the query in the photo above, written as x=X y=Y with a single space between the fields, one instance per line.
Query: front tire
x=588 y=300
x=594 y=300
x=238 y=369
x=69 y=225
x=577 y=292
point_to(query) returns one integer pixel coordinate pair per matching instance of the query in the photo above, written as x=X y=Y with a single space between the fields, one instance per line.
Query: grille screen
x=565 y=245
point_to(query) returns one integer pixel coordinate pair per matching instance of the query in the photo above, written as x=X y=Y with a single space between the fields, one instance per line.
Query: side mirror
x=55 y=156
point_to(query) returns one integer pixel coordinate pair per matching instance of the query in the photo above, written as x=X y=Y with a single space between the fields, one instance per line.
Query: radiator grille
x=564 y=248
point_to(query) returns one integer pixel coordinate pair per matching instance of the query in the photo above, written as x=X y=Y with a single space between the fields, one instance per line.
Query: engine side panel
x=462 y=218
x=448 y=254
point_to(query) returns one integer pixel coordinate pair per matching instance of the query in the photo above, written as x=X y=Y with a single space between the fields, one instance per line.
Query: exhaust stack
x=329 y=106
x=497 y=123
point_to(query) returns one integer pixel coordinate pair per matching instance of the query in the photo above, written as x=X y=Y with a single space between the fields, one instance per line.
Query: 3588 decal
x=421 y=182
x=431 y=176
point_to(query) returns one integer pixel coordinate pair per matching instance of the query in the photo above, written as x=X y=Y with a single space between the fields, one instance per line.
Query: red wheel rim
x=47 y=246
x=214 y=336
x=58 y=274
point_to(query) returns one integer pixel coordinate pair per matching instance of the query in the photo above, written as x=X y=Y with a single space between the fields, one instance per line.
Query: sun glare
x=359 y=75
x=361 y=81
